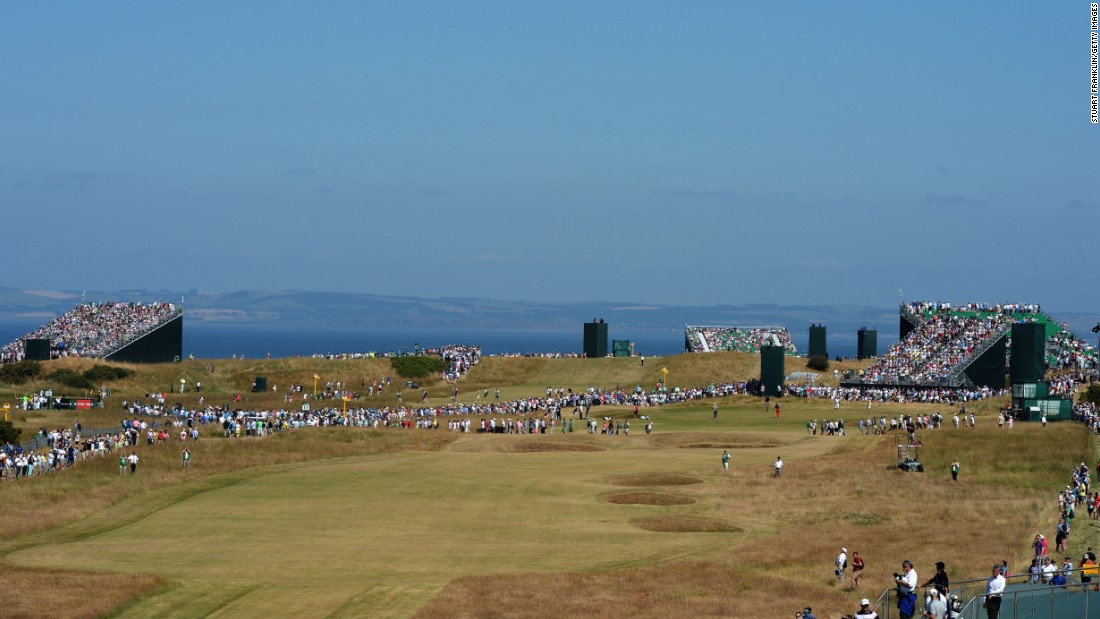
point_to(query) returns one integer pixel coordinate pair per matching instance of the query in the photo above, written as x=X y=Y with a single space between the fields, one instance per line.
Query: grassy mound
x=648 y=498
x=684 y=524
x=654 y=479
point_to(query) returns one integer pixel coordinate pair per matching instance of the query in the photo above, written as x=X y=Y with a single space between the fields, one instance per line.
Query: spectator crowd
x=93 y=329
x=739 y=339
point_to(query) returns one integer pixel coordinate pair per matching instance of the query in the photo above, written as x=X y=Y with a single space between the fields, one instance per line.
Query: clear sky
x=663 y=152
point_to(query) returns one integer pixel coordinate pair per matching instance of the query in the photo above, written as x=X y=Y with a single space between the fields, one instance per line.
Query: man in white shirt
x=994 y=589
x=841 y=564
x=1047 y=570
x=907 y=584
x=779 y=467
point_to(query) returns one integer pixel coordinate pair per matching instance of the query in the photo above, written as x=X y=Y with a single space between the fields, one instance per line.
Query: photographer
x=906 y=583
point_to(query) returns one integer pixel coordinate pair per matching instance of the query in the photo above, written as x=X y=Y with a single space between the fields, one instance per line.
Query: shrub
x=8 y=432
x=1093 y=394
x=70 y=378
x=818 y=362
x=99 y=374
x=418 y=366
x=19 y=373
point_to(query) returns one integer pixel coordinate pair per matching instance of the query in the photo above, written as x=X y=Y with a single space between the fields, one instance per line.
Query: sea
x=213 y=340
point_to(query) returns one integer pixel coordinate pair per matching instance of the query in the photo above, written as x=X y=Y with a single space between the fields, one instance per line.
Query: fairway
x=380 y=535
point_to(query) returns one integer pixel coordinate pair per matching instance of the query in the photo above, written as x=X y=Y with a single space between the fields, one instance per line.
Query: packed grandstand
x=947 y=337
x=737 y=339
x=94 y=330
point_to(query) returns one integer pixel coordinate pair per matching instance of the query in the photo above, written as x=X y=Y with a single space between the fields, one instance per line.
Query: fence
x=1021 y=599
x=39 y=441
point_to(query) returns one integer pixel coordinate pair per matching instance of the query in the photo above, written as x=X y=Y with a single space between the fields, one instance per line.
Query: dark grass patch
x=552 y=447
x=648 y=498
x=684 y=524
x=654 y=479
x=728 y=446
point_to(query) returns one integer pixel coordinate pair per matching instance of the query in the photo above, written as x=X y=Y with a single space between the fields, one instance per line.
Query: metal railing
x=957 y=373
x=1026 y=600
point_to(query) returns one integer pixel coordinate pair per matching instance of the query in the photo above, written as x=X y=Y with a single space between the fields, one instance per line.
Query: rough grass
x=62 y=593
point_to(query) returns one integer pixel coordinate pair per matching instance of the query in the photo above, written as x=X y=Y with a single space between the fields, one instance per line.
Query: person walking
x=857 y=569
x=725 y=460
x=955 y=471
x=778 y=467
x=715 y=410
x=994 y=589
x=133 y=462
x=186 y=457
x=841 y=565
x=122 y=464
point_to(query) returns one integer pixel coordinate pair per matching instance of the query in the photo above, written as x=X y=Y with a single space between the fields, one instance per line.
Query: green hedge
x=19 y=373
x=818 y=362
x=8 y=432
x=418 y=366
x=70 y=378
x=105 y=373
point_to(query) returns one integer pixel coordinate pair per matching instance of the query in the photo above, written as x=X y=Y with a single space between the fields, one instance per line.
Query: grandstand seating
x=948 y=337
x=95 y=330
x=739 y=339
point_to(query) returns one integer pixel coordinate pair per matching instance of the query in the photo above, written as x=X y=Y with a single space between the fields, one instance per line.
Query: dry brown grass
x=654 y=479
x=678 y=589
x=648 y=498
x=34 y=593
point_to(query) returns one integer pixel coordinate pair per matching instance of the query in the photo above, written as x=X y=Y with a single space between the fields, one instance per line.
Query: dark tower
x=1027 y=362
x=37 y=350
x=772 y=369
x=595 y=339
x=867 y=343
x=818 y=347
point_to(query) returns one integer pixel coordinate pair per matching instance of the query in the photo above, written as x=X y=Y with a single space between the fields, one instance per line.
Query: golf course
x=411 y=522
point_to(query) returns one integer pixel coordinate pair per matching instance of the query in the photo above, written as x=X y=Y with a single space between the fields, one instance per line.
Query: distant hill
x=381 y=311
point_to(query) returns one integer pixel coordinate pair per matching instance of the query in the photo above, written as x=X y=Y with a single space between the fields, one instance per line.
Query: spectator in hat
x=936 y=607
x=939 y=580
x=906 y=583
x=865 y=611
x=841 y=564
x=808 y=613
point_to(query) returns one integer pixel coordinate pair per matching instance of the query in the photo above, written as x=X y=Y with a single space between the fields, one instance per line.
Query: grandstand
x=113 y=331
x=964 y=345
x=704 y=338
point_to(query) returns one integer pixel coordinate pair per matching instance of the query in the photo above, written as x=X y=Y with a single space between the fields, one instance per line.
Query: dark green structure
x=773 y=369
x=620 y=348
x=905 y=327
x=595 y=339
x=161 y=345
x=37 y=350
x=867 y=343
x=988 y=370
x=259 y=385
x=1028 y=361
x=818 y=346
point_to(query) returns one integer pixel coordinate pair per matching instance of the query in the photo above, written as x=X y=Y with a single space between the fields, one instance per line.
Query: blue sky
x=681 y=153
